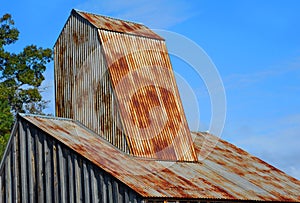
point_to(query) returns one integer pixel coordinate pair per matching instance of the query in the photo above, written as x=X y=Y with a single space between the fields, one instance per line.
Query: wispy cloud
x=242 y=80
x=277 y=143
x=155 y=14
x=245 y=80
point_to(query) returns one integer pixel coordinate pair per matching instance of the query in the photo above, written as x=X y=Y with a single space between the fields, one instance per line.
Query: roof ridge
x=45 y=116
x=109 y=17
x=102 y=22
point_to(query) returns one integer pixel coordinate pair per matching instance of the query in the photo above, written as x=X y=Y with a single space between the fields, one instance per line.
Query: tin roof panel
x=117 y=25
x=228 y=173
x=149 y=103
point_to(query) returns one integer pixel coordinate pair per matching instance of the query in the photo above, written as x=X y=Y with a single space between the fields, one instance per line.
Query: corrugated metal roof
x=148 y=100
x=142 y=90
x=227 y=173
x=112 y=24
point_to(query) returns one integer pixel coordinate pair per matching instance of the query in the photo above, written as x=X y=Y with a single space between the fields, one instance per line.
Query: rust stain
x=201 y=180
x=143 y=120
x=134 y=52
x=143 y=82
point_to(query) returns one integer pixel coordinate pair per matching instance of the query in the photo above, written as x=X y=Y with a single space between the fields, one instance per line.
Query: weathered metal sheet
x=38 y=167
x=227 y=174
x=139 y=91
x=107 y=23
x=148 y=100
x=82 y=88
x=121 y=84
x=237 y=165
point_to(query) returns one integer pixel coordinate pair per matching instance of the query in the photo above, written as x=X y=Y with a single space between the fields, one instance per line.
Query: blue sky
x=255 y=46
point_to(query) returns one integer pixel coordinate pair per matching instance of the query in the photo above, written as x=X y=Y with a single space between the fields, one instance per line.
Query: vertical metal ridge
x=50 y=171
x=83 y=89
x=23 y=164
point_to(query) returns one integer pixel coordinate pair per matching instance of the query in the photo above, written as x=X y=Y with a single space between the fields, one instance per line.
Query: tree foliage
x=21 y=76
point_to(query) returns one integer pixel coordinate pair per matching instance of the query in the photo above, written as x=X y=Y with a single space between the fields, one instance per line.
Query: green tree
x=21 y=76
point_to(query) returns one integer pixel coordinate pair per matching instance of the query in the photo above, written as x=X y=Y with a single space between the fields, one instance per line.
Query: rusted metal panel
x=49 y=171
x=236 y=165
x=227 y=174
x=117 y=83
x=107 y=23
x=122 y=70
x=82 y=87
x=148 y=99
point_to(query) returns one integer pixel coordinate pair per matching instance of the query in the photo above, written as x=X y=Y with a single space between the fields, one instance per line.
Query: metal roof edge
x=62 y=29
x=113 y=18
x=24 y=115
x=80 y=12
x=204 y=134
x=74 y=12
x=45 y=116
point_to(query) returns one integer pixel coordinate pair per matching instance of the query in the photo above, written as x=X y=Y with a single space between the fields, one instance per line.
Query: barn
x=120 y=133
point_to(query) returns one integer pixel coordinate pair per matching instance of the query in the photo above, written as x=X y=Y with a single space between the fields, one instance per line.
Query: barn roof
x=228 y=173
x=116 y=25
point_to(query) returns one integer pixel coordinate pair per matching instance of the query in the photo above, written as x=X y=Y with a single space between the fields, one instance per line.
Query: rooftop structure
x=121 y=135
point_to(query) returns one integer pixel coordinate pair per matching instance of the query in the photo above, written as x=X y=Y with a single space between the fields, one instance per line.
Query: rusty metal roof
x=117 y=25
x=228 y=173
x=148 y=100
x=145 y=93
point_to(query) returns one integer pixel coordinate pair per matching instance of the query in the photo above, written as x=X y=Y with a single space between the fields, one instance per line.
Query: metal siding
x=78 y=180
x=142 y=77
x=62 y=179
x=227 y=174
x=102 y=187
x=31 y=164
x=23 y=162
x=87 y=182
x=8 y=181
x=71 y=177
x=94 y=187
x=15 y=166
x=40 y=170
x=49 y=171
x=83 y=90
x=84 y=87
x=2 y=187
x=56 y=196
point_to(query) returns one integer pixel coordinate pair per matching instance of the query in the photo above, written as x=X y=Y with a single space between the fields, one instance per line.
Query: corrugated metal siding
x=149 y=102
x=82 y=86
x=38 y=168
x=227 y=174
